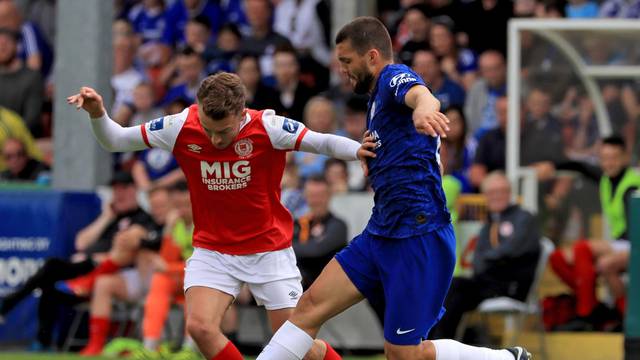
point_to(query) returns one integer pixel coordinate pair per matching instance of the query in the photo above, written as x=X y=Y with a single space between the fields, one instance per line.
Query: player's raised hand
x=89 y=100
x=431 y=123
x=366 y=151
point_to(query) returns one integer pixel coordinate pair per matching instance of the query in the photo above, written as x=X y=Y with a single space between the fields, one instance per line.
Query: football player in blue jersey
x=405 y=256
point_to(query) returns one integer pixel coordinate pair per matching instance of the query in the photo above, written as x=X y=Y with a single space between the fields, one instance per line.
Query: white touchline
x=402 y=332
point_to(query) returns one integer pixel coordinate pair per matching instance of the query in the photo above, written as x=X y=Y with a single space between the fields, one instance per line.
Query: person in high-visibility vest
x=579 y=266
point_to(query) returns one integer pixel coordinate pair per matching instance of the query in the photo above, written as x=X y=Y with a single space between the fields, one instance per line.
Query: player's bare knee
x=104 y=285
x=200 y=329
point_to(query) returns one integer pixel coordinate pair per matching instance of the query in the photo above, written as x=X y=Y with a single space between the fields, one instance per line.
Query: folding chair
x=515 y=311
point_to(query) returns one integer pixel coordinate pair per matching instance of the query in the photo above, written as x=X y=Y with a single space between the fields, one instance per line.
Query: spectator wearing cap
x=21 y=167
x=25 y=93
x=121 y=219
x=460 y=64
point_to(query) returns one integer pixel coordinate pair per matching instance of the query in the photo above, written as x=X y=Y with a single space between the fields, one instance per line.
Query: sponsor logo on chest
x=225 y=175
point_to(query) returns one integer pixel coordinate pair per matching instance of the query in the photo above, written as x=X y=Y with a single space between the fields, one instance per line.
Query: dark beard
x=363 y=85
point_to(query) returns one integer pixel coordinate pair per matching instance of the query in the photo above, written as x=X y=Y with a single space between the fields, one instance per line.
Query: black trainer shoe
x=520 y=353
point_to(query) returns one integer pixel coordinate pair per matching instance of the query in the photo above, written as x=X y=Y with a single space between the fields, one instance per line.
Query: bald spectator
x=22 y=88
x=318 y=235
x=319 y=116
x=449 y=92
x=504 y=261
x=20 y=167
x=481 y=98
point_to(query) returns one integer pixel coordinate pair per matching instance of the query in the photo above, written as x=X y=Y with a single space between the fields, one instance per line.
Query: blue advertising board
x=36 y=225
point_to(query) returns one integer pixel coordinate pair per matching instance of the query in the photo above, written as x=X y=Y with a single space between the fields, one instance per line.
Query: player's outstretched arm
x=336 y=146
x=109 y=134
x=427 y=117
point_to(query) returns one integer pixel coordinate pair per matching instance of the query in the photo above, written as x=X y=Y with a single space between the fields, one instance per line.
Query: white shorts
x=137 y=286
x=273 y=277
x=621 y=245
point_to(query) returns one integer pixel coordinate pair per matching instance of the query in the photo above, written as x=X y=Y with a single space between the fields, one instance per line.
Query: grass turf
x=46 y=356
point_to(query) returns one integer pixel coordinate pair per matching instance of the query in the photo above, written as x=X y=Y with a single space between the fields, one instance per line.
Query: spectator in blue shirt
x=33 y=49
x=427 y=65
x=460 y=64
x=148 y=20
x=181 y=11
x=190 y=71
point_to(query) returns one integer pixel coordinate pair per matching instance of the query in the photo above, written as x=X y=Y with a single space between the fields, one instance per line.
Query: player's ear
x=372 y=55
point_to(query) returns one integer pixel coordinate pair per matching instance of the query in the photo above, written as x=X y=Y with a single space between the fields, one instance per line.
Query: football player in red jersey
x=233 y=159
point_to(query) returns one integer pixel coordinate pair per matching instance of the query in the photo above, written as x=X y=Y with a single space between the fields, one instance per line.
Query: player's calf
x=423 y=351
x=209 y=337
x=307 y=314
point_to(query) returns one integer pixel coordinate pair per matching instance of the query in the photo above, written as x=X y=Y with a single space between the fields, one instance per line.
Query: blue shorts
x=410 y=276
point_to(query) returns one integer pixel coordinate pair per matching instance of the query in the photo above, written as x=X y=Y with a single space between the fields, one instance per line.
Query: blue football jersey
x=405 y=174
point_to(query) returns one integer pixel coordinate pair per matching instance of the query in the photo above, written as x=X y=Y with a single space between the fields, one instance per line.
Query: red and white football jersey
x=235 y=192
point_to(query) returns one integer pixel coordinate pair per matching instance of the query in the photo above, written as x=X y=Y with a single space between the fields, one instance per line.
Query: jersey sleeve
x=400 y=82
x=284 y=133
x=163 y=132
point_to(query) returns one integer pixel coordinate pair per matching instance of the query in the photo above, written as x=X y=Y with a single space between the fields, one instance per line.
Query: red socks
x=331 y=354
x=585 y=273
x=230 y=352
x=83 y=285
x=563 y=269
x=98 y=331
x=621 y=305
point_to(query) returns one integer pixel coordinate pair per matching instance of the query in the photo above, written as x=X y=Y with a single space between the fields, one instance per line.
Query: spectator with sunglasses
x=20 y=166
